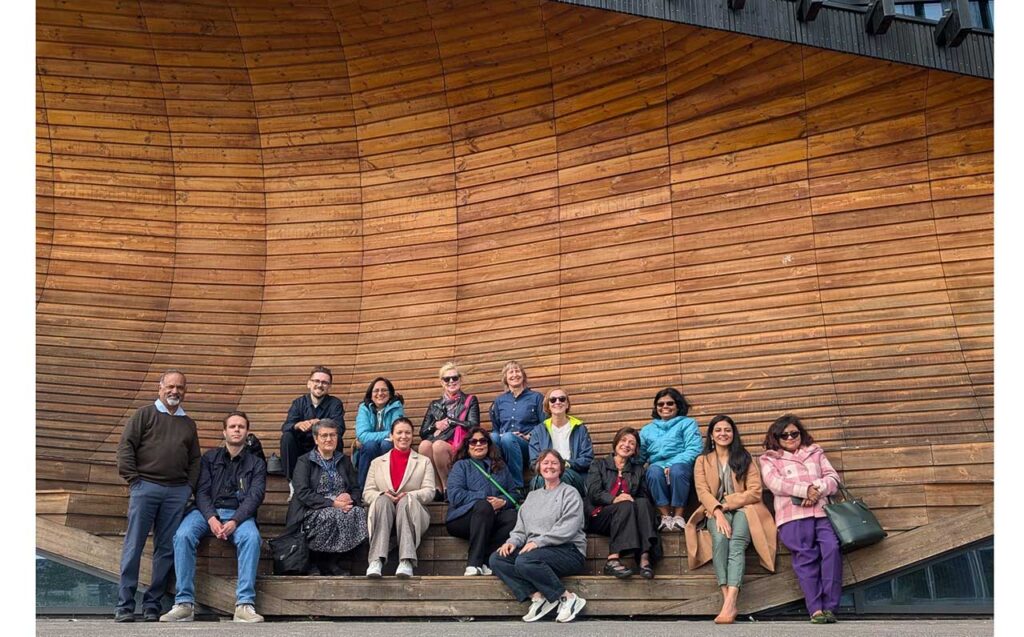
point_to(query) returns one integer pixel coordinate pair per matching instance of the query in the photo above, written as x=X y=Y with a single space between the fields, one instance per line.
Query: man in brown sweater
x=159 y=458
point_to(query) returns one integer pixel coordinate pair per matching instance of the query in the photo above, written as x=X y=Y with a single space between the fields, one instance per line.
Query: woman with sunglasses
x=446 y=423
x=670 y=443
x=728 y=487
x=801 y=478
x=617 y=505
x=481 y=508
x=568 y=436
x=380 y=407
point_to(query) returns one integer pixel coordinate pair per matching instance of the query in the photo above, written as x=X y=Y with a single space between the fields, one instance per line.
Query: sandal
x=616 y=569
x=646 y=572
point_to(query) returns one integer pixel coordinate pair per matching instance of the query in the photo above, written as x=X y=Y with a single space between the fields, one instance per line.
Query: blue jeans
x=366 y=454
x=538 y=570
x=159 y=508
x=514 y=450
x=676 y=491
x=247 y=545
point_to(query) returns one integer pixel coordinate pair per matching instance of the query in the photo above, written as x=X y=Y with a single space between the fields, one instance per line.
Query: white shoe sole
x=542 y=613
x=578 y=605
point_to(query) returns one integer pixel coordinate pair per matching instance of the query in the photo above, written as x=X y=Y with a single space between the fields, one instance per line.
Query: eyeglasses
x=558 y=399
x=669 y=403
x=327 y=436
x=788 y=435
x=451 y=379
x=477 y=441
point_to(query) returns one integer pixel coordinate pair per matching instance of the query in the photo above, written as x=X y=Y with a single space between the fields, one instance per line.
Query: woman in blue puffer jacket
x=381 y=406
x=670 y=443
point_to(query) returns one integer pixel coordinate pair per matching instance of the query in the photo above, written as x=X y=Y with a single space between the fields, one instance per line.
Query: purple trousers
x=817 y=562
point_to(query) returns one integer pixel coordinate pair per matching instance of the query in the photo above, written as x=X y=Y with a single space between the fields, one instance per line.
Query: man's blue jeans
x=247 y=545
x=157 y=507
x=514 y=450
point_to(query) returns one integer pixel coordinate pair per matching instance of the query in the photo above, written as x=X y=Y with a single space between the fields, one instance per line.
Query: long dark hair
x=771 y=439
x=493 y=453
x=739 y=457
x=392 y=396
x=674 y=394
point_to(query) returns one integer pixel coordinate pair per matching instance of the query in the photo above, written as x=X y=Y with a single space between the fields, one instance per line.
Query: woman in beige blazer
x=398 y=486
x=728 y=485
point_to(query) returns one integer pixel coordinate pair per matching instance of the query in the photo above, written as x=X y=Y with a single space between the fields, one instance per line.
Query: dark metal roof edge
x=837 y=27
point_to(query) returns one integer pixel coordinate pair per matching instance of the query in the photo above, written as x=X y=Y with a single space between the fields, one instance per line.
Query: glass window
x=954 y=578
x=986 y=557
x=60 y=588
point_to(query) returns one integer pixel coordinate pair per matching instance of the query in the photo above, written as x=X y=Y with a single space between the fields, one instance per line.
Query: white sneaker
x=179 y=613
x=569 y=607
x=473 y=570
x=486 y=570
x=679 y=523
x=404 y=569
x=666 y=523
x=539 y=608
x=374 y=569
x=247 y=613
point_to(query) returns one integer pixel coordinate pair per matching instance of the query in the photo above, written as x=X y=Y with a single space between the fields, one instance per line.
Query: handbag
x=495 y=483
x=854 y=523
x=291 y=553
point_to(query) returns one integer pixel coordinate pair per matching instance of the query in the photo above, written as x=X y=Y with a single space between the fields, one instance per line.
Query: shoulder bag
x=854 y=523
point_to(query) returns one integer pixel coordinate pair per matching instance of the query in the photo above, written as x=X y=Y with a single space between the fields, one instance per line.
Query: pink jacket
x=790 y=474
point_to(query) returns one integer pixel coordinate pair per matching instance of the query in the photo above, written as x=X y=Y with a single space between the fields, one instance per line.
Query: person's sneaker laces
x=374 y=569
x=179 y=613
x=247 y=613
x=404 y=569
x=666 y=523
x=679 y=523
x=539 y=608
x=569 y=607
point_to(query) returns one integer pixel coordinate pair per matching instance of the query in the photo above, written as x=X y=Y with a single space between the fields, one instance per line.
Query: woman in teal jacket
x=670 y=443
x=381 y=406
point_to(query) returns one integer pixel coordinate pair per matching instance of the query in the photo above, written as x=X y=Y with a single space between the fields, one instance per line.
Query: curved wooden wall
x=246 y=189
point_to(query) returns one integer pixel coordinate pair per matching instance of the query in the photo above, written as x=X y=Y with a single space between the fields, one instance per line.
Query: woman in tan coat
x=398 y=487
x=728 y=486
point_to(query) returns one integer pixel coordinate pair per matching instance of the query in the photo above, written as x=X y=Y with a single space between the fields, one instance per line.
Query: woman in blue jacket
x=480 y=504
x=671 y=443
x=568 y=436
x=381 y=406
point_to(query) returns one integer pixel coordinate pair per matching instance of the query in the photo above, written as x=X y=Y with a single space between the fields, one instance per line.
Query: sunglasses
x=788 y=435
x=451 y=379
x=670 y=403
x=558 y=399
x=475 y=442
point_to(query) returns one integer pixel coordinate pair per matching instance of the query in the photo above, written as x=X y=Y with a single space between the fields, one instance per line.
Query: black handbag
x=854 y=523
x=291 y=553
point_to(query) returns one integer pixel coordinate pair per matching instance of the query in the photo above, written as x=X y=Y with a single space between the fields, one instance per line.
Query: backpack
x=253 y=444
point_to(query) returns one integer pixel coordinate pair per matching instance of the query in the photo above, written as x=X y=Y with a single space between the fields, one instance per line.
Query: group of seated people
x=531 y=535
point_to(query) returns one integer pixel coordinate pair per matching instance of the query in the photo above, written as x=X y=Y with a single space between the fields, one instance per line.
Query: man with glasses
x=306 y=411
x=158 y=456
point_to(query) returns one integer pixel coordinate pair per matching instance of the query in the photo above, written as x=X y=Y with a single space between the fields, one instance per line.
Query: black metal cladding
x=839 y=26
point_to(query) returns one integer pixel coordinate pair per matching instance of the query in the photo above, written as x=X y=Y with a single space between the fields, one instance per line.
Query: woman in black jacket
x=446 y=423
x=327 y=501
x=618 y=505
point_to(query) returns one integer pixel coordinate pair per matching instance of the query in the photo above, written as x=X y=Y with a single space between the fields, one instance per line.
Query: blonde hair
x=509 y=365
x=447 y=367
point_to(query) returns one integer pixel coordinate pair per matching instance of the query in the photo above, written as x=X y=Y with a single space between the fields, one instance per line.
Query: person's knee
x=681 y=470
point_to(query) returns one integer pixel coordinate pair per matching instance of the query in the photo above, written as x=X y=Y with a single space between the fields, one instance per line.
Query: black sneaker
x=151 y=615
x=122 y=616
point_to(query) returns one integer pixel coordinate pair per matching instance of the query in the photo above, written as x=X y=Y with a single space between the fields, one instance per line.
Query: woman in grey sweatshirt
x=547 y=543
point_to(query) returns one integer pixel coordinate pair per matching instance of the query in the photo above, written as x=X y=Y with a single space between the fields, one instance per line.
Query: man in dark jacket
x=158 y=456
x=232 y=482
x=306 y=411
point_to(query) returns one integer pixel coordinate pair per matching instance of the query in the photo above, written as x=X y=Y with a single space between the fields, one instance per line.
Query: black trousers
x=629 y=527
x=485 y=529
x=294 y=443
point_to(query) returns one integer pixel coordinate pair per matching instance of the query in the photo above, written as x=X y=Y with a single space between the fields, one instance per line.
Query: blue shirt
x=163 y=408
x=511 y=413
